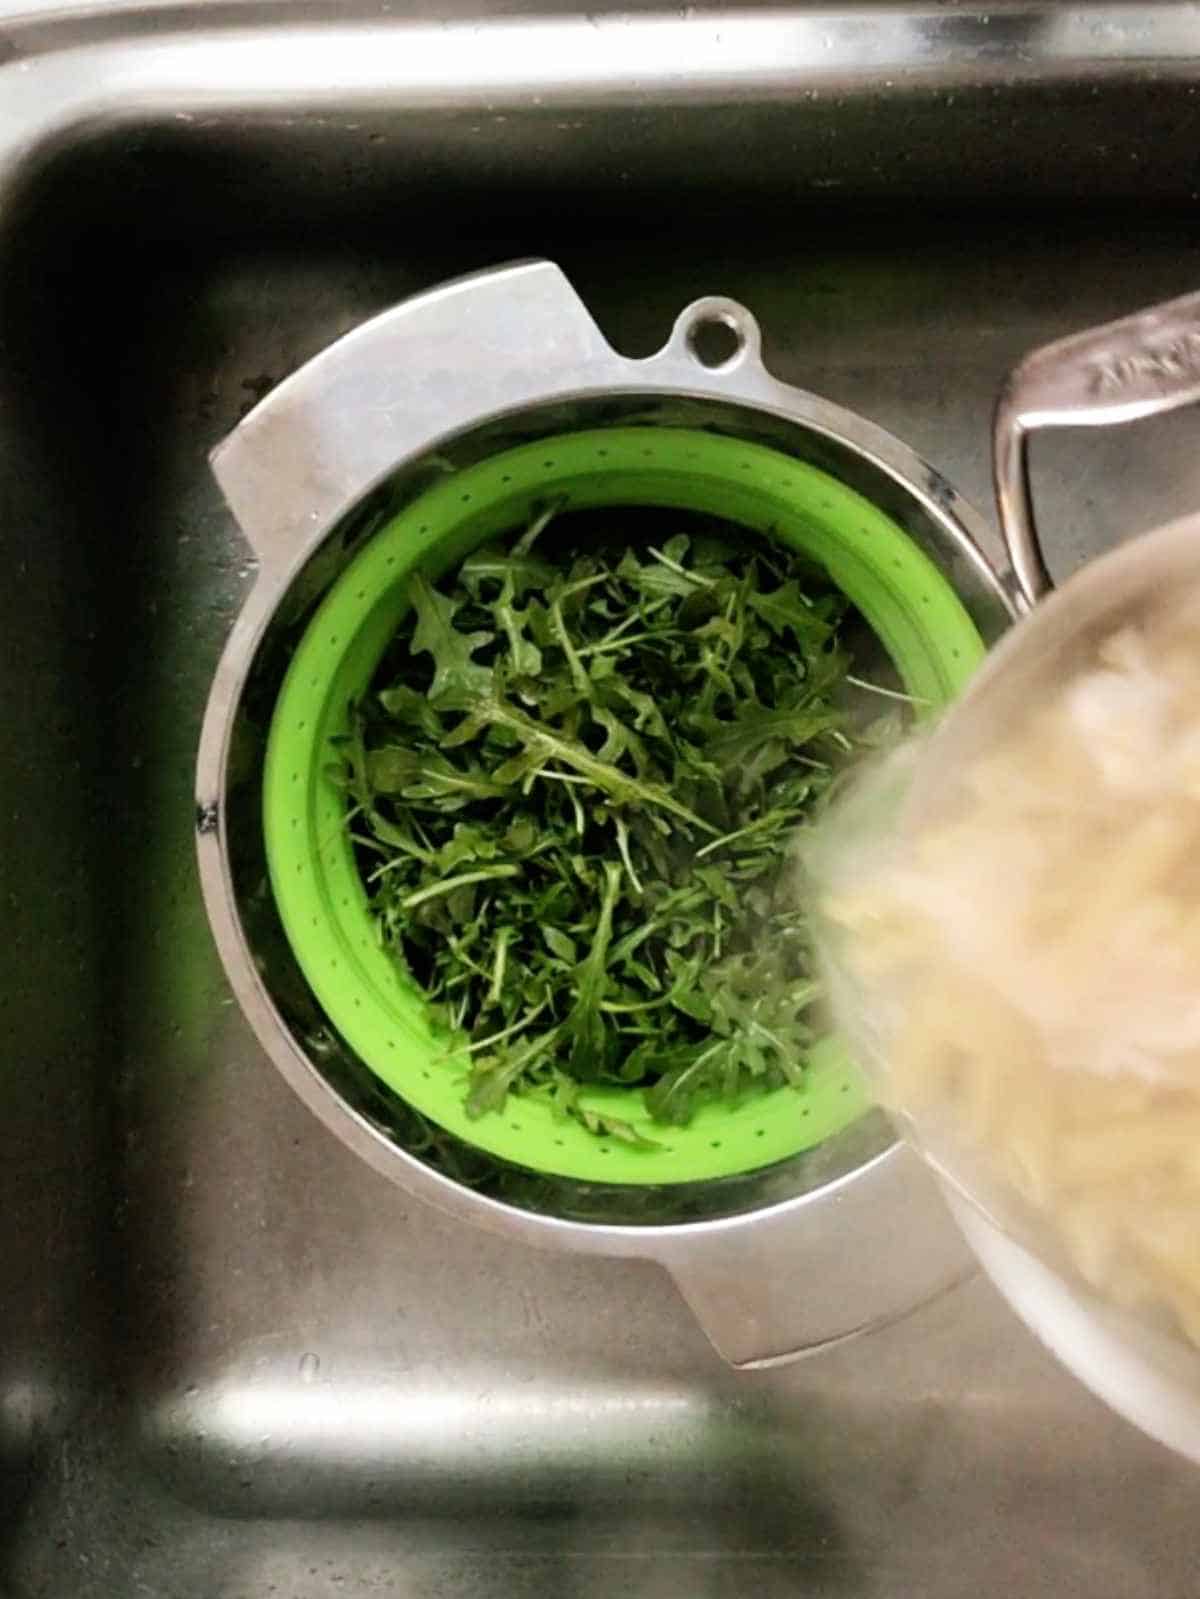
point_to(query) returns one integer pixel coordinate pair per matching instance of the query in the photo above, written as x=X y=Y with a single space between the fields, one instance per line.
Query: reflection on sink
x=233 y=1358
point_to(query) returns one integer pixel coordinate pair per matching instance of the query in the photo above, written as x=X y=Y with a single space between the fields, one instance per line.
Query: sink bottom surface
x=285 y=1376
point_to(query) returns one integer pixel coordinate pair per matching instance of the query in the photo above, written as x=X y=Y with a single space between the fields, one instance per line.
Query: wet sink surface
x=234 y=1360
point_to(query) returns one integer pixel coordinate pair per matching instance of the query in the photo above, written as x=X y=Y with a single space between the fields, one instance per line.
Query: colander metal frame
x=853 y=1244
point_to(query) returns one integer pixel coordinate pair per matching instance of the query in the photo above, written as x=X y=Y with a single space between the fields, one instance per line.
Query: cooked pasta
x=1020 y=955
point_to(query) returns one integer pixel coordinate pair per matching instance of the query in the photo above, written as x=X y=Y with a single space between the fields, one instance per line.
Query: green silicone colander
x=322 y=902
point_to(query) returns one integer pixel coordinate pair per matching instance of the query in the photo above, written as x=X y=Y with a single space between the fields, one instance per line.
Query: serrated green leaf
x=458 y=681
x=410 y=709
x=787 y=609
x=611 y=1126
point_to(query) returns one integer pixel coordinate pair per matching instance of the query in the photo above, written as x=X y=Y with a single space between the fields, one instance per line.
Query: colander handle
x=337 y=428
x=789 y=1281
x=1135 y=367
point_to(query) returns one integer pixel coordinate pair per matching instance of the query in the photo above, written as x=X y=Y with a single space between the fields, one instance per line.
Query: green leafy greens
x=574 y=788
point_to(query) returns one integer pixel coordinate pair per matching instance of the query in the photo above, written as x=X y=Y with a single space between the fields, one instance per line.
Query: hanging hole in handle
x=715 y=339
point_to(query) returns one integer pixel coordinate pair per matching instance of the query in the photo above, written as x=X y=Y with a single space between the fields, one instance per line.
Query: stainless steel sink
x=234 y=1361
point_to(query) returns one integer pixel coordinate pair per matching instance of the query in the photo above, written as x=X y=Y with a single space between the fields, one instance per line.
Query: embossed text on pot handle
x=1136 y=367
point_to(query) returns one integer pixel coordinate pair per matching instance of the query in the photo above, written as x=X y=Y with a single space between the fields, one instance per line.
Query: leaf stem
x=449 y=884
x=886 y=693
x=518 y=1026
x=771 y=819
x=674 y=566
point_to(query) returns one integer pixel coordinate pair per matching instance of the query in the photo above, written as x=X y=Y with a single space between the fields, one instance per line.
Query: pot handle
x=1138 y=366
x=876 y=1246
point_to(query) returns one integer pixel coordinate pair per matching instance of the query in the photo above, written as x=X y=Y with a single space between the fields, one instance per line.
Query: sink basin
x=234 y=1359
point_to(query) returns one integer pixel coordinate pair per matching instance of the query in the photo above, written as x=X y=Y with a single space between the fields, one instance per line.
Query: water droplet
x=310 y=1365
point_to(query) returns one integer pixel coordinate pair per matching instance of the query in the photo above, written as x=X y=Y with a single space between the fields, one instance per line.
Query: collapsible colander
x=320 y=895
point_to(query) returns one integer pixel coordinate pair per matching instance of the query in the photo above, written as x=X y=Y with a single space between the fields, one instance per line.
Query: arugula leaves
x=574 y=789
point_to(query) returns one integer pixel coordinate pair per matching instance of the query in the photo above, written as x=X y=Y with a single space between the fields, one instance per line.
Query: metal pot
x=1136 y=367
